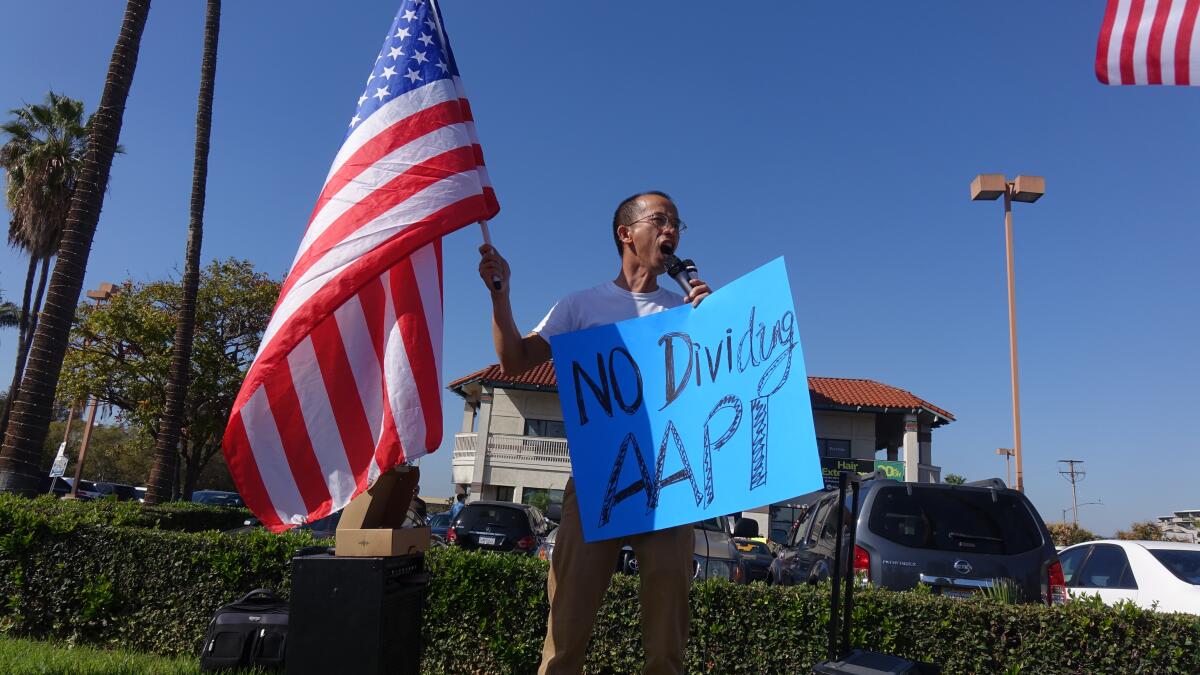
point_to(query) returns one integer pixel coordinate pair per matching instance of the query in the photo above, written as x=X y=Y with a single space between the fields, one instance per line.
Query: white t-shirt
x=599 y=305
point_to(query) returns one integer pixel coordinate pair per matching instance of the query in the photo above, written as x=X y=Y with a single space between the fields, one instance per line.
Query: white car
x=1162 y=575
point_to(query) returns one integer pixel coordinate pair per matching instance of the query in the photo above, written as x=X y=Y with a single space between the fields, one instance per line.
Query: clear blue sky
x=841 y=135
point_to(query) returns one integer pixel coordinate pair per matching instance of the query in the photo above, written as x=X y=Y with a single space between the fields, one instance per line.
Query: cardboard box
x=372 y=524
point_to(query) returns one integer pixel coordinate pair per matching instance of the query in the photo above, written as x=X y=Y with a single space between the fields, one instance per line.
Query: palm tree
x=34 y=400
x=42 y=158
x=9 y=314
x=166 y=442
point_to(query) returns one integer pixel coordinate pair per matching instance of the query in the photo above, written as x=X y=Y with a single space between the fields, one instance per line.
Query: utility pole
x=1073 y=474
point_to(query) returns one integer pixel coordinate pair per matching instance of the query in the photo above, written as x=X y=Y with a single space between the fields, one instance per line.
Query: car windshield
x=977 y=521
x=710 y=524
x=440 y=519
x=479 y=515
x=1182 y=563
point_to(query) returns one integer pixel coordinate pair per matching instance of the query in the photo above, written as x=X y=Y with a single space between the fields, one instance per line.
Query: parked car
x=439 y=524
x=61 y=486
x=325 y=528
x=499 y=526
x=954 y=539
x=87 y=489
x=756 y=557
x=714 y=555
x=217 y=498
x=545 y=551
x=1163 y=575
x=119 y=491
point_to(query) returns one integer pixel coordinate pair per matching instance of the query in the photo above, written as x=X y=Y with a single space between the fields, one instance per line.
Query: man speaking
x=646 y=229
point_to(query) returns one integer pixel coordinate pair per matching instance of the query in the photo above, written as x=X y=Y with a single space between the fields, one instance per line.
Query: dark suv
x=955 y=539
x=499 y=526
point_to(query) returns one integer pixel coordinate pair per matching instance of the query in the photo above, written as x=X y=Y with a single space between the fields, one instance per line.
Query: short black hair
x=626 y=211
x=462 y=497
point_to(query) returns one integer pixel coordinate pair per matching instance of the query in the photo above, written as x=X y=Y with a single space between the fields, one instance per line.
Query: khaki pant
x=579 y=576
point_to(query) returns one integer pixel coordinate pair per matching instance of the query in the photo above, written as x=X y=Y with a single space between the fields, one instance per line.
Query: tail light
x=1057 y=584
x=452 y=535
x=862 y=562
x=527 y=542
x=737 y=572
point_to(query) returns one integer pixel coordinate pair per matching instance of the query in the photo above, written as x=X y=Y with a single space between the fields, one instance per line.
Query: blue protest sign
x=690 y=413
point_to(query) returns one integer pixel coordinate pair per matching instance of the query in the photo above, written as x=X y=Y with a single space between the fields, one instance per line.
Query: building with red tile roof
x=512 y=443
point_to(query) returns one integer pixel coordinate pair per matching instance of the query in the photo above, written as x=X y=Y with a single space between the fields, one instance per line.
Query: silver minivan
x=714 y=557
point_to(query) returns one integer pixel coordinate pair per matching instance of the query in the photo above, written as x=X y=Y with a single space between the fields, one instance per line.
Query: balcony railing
x=930 y=473
x=464 y=448
x=528 y=449
x=508 y=448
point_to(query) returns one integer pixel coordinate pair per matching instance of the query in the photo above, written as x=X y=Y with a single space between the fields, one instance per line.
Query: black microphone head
x=674 y=265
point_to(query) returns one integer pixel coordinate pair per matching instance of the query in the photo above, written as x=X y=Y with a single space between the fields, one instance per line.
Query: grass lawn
x=29 y=656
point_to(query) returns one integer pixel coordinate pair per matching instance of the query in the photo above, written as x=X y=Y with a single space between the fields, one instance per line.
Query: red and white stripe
x=347 y=380
x=1150 y=42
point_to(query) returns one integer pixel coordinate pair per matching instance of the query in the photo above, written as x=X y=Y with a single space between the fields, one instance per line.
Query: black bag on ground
x=251 y=631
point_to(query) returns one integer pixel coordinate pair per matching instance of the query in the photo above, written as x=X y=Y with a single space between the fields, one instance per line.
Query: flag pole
x=487 y=239
x=483 y=225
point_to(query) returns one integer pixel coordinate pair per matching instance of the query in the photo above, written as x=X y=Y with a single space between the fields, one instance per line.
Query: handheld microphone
x=682 y=271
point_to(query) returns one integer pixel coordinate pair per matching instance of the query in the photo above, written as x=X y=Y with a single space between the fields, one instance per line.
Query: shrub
x=69 y=577
x=1144 y=531
x=1069 y=534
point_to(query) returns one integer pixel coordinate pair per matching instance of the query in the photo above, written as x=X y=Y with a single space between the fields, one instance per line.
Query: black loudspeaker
x=356 y=615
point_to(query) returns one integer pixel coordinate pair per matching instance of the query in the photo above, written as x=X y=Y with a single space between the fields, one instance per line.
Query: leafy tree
x=167 y=438
x=116 y=452
x=122 y=353
x=1069 y=534
x=1146 y=530
x=540 y=501
x=41 y=157
x=29 y=419
x=954 y=479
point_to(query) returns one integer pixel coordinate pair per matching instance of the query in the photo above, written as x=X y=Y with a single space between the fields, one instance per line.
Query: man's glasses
x=661 y=221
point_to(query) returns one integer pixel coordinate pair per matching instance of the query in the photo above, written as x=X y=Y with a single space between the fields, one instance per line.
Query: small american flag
x=346 y=383
x=1149 y=42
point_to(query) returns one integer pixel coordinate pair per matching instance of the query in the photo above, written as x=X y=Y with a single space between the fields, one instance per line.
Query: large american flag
x=1149 y=42
x=346 y=383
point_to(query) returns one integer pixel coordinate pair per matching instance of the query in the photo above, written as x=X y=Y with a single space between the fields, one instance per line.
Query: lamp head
x=988 y=186
x=1028 y=189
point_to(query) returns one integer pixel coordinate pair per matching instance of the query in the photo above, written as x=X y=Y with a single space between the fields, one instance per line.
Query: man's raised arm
x=517 y=354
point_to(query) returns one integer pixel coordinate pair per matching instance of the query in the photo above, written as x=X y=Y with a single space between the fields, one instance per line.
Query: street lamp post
x=1075 y=510
x=1028 y=189
x=103 y=292
x=1008 y=453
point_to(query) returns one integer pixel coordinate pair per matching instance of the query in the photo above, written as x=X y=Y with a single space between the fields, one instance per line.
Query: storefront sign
x=832 y=466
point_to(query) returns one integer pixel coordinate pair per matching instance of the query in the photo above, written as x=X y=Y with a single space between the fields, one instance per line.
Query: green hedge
x=64 y=576
x=178 y=516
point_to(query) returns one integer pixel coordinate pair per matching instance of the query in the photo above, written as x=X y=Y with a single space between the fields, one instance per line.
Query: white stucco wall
x=858 y=427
